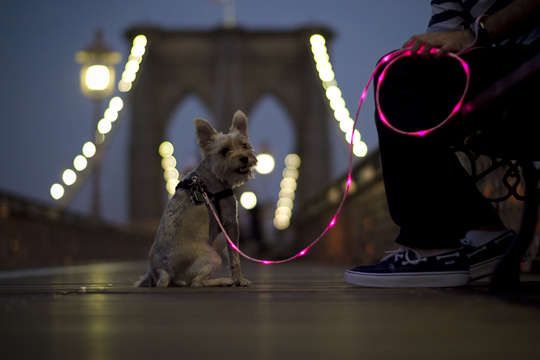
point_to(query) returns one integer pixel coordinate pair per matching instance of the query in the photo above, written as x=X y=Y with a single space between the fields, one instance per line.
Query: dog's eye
x=225 y=151
x=245 y=146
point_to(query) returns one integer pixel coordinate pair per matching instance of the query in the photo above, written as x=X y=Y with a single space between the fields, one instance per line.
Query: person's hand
x=446 y=41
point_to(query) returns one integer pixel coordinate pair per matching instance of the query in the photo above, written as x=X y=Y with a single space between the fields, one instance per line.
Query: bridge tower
x=228 y=69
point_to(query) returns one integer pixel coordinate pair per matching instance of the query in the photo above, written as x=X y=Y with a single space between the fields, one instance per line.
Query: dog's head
x=229 y=156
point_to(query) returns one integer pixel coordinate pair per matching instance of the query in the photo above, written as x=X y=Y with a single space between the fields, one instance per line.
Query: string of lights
x=168 y=163
x=334 y=95
x=72 y=176
x=285 y=203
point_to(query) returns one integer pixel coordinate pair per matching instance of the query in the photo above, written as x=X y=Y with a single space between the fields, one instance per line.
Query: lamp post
x=97 y=82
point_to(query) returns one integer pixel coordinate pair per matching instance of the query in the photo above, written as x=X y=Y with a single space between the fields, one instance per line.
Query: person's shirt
x=460 y=14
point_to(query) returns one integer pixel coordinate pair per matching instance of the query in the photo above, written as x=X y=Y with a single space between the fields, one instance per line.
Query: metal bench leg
x=506 y=276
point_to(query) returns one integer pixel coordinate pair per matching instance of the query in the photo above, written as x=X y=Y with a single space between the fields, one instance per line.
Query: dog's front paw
x=242 y=281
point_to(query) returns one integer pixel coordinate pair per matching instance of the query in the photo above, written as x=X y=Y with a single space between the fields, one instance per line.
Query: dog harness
x=196 y=188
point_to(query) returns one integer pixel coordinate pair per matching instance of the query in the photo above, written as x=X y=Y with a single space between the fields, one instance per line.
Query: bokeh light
x=265 y=163
x=248 y=200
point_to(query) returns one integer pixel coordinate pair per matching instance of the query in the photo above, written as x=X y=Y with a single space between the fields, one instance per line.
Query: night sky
x=45 y=119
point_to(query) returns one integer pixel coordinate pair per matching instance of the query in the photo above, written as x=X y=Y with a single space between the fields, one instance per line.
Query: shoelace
x=404 y=255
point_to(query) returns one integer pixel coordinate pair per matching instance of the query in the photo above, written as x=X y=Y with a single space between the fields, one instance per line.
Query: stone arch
x=271 y=129
x=228 y=69
x=181 y=131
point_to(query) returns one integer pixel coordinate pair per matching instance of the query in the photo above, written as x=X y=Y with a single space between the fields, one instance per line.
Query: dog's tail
x=145 y=281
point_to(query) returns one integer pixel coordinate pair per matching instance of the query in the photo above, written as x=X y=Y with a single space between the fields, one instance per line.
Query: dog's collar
x=196 y=187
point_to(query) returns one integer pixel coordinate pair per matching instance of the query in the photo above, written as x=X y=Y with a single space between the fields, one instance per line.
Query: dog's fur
x=182 y=253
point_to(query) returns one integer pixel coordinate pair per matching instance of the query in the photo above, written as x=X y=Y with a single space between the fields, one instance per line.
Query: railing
x=34 y=234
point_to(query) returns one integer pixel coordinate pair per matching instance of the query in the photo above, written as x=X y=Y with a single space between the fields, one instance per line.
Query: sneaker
x=485 y=250
x=405 y=267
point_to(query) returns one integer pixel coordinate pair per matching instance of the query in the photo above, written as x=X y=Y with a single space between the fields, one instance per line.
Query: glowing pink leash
x=389 y=60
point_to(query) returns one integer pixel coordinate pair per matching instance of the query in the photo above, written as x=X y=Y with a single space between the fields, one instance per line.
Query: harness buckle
x=196 y=190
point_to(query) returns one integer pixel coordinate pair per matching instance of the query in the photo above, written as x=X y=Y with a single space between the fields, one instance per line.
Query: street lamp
x=97 y=82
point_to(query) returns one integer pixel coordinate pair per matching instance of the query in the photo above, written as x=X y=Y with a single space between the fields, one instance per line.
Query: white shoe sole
x=485 y=268
x=407 y=280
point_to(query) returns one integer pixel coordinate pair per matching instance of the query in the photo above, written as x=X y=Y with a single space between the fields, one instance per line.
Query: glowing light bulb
x=57 y=191
x=327 y=75
x=104 y=126
x=166 y=149
x=140 y=40
x=292 y=160
x=285 y=202
x=317 y=40
x=287 y=193
x=110 y=115
x=128 y=76
x=89 y=149
x=132 y=66
x=171 y=174
x=97 y=77
x=265 y=163
x=124 y=86
x=80 y=163
x=360 y=149
x=346 y=125
x=281 y=223
x=288 y=183
x=168 y=162
x=333 y=92
x=116 y=103
x=171 y=186
x=290 y=173
x=69 y=177
x=285 y=211
x=341 y=114
x=337 y=103
x=137 y=50
x=248 y=200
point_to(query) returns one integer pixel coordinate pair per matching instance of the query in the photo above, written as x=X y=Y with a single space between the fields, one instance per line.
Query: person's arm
x=518 y=16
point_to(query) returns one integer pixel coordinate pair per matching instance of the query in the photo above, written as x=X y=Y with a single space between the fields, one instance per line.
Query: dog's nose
x=244 y=159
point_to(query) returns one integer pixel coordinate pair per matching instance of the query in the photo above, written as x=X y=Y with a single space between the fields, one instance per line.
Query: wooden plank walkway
x=297 y=311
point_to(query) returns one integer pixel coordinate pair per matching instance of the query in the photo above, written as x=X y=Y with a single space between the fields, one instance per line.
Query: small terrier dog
x=182 y=253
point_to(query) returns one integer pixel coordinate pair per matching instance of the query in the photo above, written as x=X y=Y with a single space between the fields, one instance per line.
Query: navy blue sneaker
x=485 y=250
x=405 y=267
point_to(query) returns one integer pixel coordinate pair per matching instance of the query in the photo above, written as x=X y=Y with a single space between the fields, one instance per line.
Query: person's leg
x=429 y=194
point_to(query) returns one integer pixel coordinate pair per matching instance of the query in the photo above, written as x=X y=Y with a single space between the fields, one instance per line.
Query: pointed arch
x=180 y=130
x=228 y=70
x=271 y=130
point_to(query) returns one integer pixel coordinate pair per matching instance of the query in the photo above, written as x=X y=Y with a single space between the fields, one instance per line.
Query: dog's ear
x=239 y=123
x=205 y=132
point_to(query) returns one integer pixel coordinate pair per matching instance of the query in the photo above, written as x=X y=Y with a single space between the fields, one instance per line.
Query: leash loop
x=388 y=60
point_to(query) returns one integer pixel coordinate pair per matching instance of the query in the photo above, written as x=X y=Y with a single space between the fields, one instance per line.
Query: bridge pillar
x=228 y=69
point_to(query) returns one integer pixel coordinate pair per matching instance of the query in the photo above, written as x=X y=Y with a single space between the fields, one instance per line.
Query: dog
x=182 y=253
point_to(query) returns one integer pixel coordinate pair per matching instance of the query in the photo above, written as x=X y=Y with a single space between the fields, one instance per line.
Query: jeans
x=430 y=195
